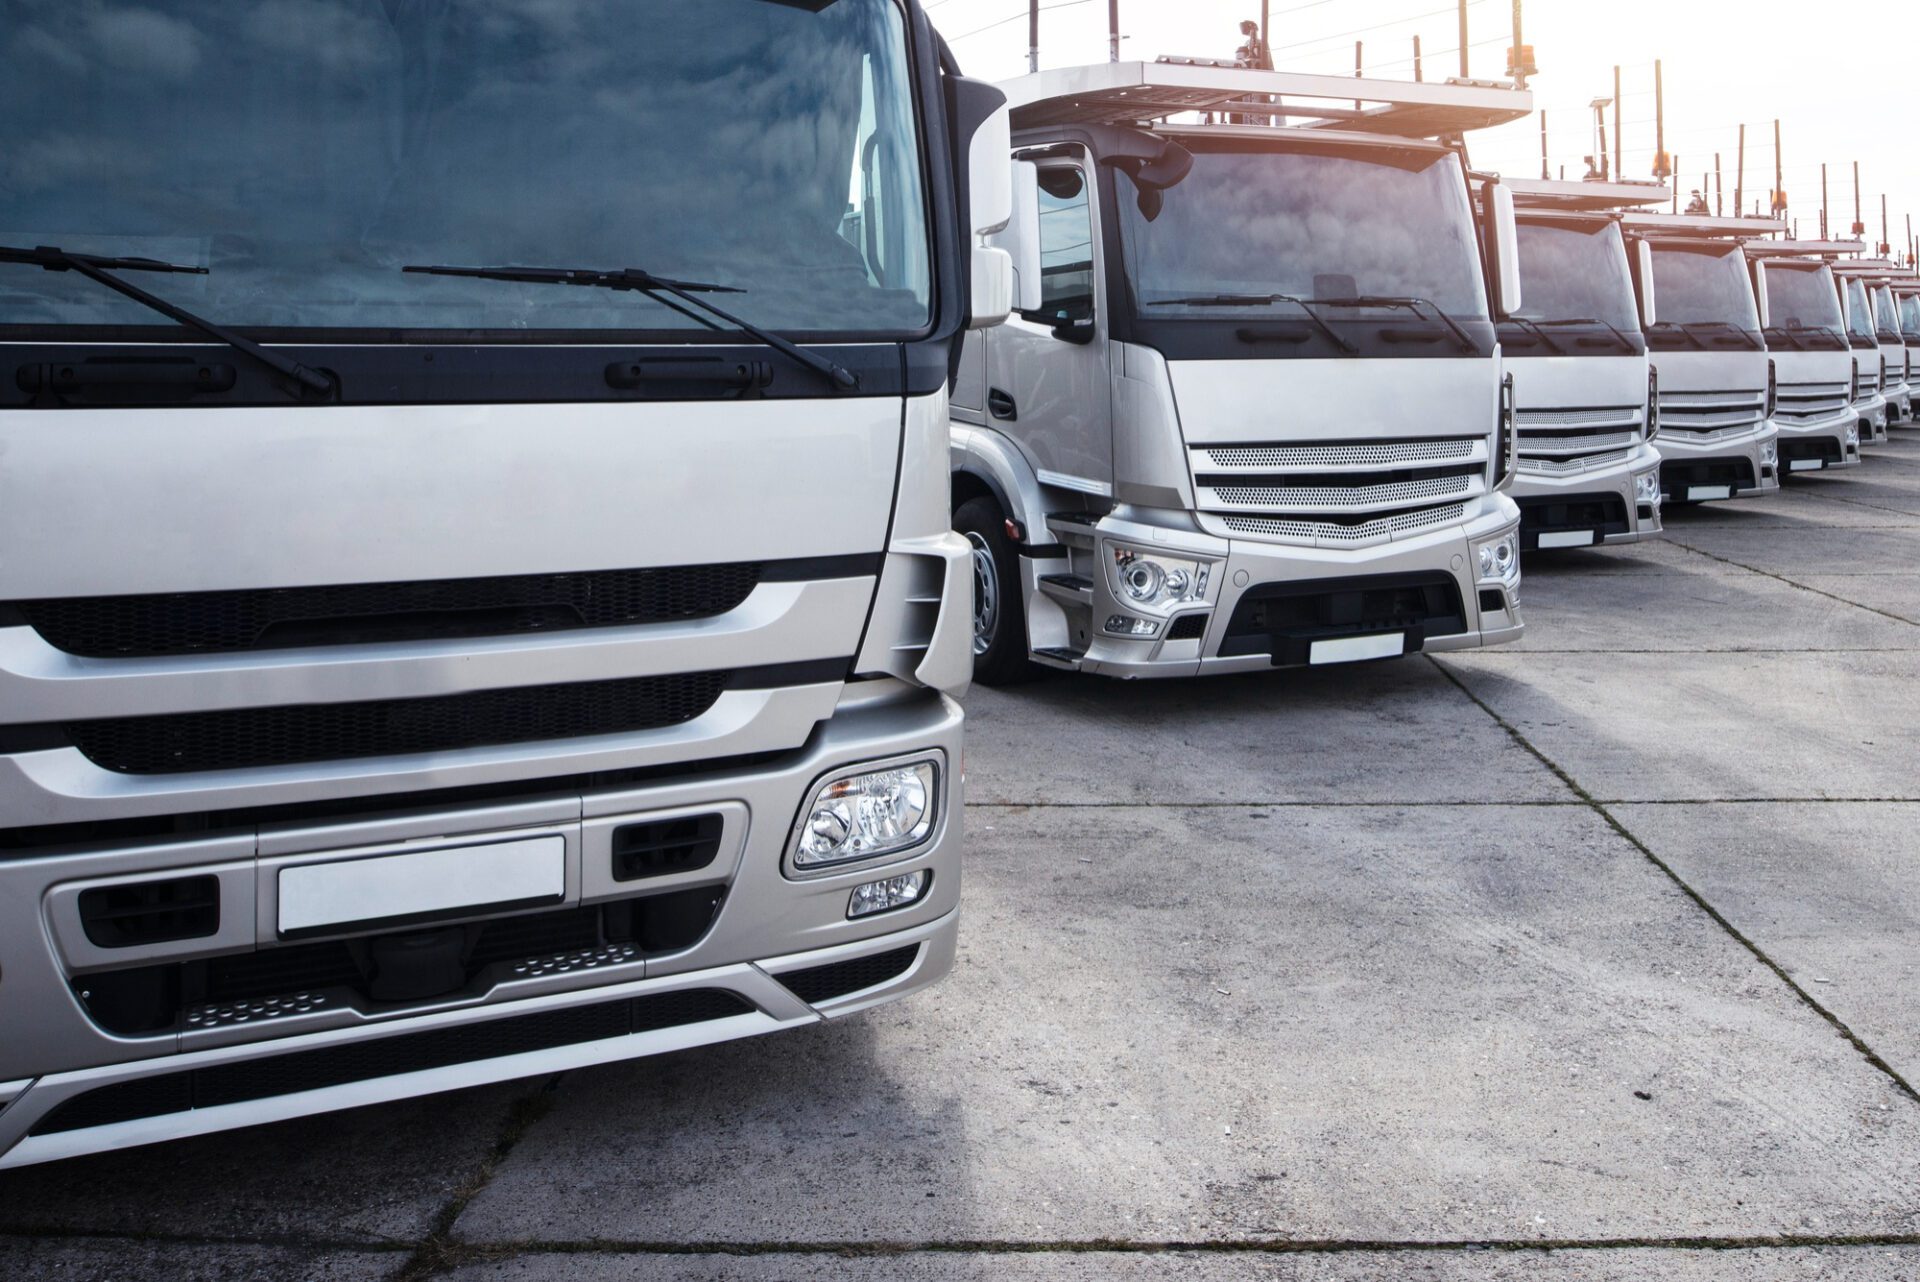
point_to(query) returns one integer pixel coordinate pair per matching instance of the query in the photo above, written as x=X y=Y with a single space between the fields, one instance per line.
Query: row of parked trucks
x=471 y=607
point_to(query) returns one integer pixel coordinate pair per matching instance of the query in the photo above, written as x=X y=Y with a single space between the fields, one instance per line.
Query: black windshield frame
x=408 y=366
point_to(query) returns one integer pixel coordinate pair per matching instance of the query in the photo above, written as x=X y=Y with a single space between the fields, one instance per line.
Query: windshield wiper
x=1411 y=304
x=1786 y=332
x=1538 y=331
x=1677 y=328
x=98 y=267
x=1261 y=300
x=1594 y=320
x=645 y=282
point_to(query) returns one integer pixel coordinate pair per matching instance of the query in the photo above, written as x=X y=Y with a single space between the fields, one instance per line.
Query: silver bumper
x=1531 y=488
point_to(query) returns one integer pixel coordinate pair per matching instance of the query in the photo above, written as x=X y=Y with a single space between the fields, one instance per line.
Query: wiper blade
x=1593 y=320
x=1677 y=328
x=99 y=267
x=1261 y=300
x=1539 y=331
x=645 y=282
x=1411 y=304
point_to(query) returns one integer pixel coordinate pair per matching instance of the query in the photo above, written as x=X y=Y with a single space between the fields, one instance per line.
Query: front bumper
x=536 y=1017
x=1244 y=566
x=1813 y=445
x=1604 y=507
x=1871 y=413
x=1694 y=471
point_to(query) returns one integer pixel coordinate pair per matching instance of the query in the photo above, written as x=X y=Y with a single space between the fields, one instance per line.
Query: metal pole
x=1823 y=200
x=1740 y=175
x=1113 y=30
x=1418 y=75
x=1859 y=224
x=1619 y=168
x=1519 y=51
x=1719 y=190
x=1463 y=40
x=1676 y=184
x=1033 y=35
x=1886 y=236
x=1779 y=175
x=1357 y=104
x=1545 y=172
x=1662 y=167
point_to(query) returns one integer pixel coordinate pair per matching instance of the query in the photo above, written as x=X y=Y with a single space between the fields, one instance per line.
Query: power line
x=1058 y=4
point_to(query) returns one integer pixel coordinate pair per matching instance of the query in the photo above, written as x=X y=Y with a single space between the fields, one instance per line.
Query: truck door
x=1047 y=377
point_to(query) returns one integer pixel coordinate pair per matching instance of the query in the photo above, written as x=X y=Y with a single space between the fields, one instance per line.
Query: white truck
x=1875 y=278
x=483 y=603
x=1587 y=404
x=1869 y=392
x=1907 y=295
x=1814 y=366
x=1250 y=410
x=1717 y=437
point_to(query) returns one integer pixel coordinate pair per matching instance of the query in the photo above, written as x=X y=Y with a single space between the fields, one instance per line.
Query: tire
x=999 y=613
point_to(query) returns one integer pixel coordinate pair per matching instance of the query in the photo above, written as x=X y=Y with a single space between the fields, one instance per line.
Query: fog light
x=874 y=812
x=1125 y=625
x=887 y=895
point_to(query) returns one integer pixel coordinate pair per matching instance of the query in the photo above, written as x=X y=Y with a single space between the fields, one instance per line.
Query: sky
x=1775 y=61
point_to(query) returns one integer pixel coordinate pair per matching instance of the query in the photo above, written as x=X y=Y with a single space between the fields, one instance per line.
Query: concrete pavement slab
x=1363 y=732
x=377 y=1173
x=1809 y=551
x=1830 y=891
x=1655 y=727
x=1895 y=594
x=1831 y=1264
x=1654 y=557
x=139 y=1260
x=1386 y=1024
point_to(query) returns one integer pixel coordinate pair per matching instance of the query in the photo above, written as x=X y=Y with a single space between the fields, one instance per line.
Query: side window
x=1066 y=246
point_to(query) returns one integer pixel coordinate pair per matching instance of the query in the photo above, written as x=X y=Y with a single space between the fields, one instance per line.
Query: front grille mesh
x=1338 y=493
x=356 y=613
x=1341 y=498
x=245 y=737
x=1339 y=455
x=1330 y=532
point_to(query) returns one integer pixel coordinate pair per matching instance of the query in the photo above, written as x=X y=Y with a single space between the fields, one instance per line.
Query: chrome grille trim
x=1625 y=416
x=1327 y=534
x=1573 y=466
x=1342 y=499
x=1704 y=417
x=1327 y=456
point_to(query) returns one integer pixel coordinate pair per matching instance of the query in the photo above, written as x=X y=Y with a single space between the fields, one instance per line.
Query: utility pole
x=1619 y=166
x=1740 y=175
x=1676 y=184
x=1886 y=236
x=1418 y=75
x=1357 y=104
x=1113 y=30
x=1463 y=40
x=1779 y=175
x=1033 y=35
x=1859 y=224
x=1520 y=63
x=1823 y=200
x=1663 y=168
x=1546 y=173
x=1719 y=191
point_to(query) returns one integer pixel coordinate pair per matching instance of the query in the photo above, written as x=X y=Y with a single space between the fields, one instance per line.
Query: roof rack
x=1537 y=194
x=1824 y=249
x=1874 y=267
x=1140 y=93
x=1705 y=226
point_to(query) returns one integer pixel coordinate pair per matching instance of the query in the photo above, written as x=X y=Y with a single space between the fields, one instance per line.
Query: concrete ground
x=1592 y=958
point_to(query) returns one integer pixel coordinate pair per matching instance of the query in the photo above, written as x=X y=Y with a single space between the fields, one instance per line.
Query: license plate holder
x=409 y=887
x=1380 y=645
x=1698 y=493
x=1805 y=464
x=1567 y=539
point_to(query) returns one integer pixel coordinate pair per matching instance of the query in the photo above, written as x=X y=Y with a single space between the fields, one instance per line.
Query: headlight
x=1499 y=559
x=1646 y=488
x=1769 y=453
x=1773 y=389
x=865 y=814
x=1653 y=404
x=1853 y=432
x=1156 y=583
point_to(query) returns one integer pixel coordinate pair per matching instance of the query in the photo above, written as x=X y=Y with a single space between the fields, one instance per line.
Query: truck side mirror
x=1760 y=294
x=1504 y=228
x=989 y=199
x=1643 y=277
x=1020 y=238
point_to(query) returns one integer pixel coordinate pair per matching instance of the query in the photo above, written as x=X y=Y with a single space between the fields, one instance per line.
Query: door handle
x=1001 y=405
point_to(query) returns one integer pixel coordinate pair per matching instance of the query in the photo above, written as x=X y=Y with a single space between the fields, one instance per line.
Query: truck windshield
x=1703 y=285
x=1886 y=317
x=1576 y=272
x=1250 y=220
x=305 y=150
x=1802 y=298
x=1910 y=316
x=1859 y=313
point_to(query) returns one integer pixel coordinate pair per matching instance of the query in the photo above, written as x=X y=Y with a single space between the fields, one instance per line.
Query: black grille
x=1284 y=619
x=238 y=738
x=1603 y=514
x=358 y=613
x=1676 y=476
x=658 y=847
x=1824 y=448
x=837 y=979
x=151 y=912
x=1188 y=627
x=385 y=1057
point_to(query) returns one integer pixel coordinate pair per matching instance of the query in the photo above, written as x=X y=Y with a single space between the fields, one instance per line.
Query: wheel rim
x=986 y=594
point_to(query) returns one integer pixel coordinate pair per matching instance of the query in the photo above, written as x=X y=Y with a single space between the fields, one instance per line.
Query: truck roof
x=1821 y=249
x=1703 y=227
x=1139 y=93
x=1551 y=195
x=1873 y=269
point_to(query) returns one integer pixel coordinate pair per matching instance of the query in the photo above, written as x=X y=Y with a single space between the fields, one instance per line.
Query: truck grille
x=1338 y=494
x=1807 y=402
x=1706 y=417
x=244 y=737
x=357 y=613
x=1561 y=442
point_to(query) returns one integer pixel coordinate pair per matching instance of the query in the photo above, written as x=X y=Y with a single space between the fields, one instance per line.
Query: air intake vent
x=151 y=912
x=665 y=846
x=837 y=979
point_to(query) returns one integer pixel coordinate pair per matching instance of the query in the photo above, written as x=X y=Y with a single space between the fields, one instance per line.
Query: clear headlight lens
x=869 y=813
x=1853 y=432
x=887 y=894
x=1646 y=487
x=1156 y=583
x=1499 y=559
x=1769 y=453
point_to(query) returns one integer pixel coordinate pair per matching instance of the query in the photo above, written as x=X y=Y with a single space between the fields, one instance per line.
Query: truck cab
x=1250 y=411
x=1907 y=295
x=1813 y=360
x=1893 y=353
x=1863 y=338
x=478 y=594
x=1717 y=437
x=1588 y=470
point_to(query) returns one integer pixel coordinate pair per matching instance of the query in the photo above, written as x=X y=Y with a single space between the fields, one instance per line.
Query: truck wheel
x=999 y=614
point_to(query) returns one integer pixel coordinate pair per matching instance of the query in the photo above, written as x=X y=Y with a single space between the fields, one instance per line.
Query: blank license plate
x=1566 y=539
x=1805 y=464
x=449 y=881
x=1355 y=649
x=1697 y=492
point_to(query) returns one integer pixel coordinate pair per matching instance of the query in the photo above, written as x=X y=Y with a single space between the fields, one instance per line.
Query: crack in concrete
x=1839 y=1025
x=1792 y=583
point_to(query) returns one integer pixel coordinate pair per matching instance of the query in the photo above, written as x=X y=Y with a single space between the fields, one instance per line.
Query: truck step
x=1059 y=657
x=1076 y=589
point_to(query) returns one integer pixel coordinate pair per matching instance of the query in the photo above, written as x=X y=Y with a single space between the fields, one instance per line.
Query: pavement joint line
x=1885 y=614
x=1757 y=801
x=438 y=1252
x=294 y=1241
x=1841 y=498
x=1839 y=1025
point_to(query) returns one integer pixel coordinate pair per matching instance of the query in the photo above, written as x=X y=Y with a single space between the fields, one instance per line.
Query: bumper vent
x=358 y=613
x=665 y=846
x=151 y=912
x=837 y=979
x=385 y=1057
x=240 y=738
